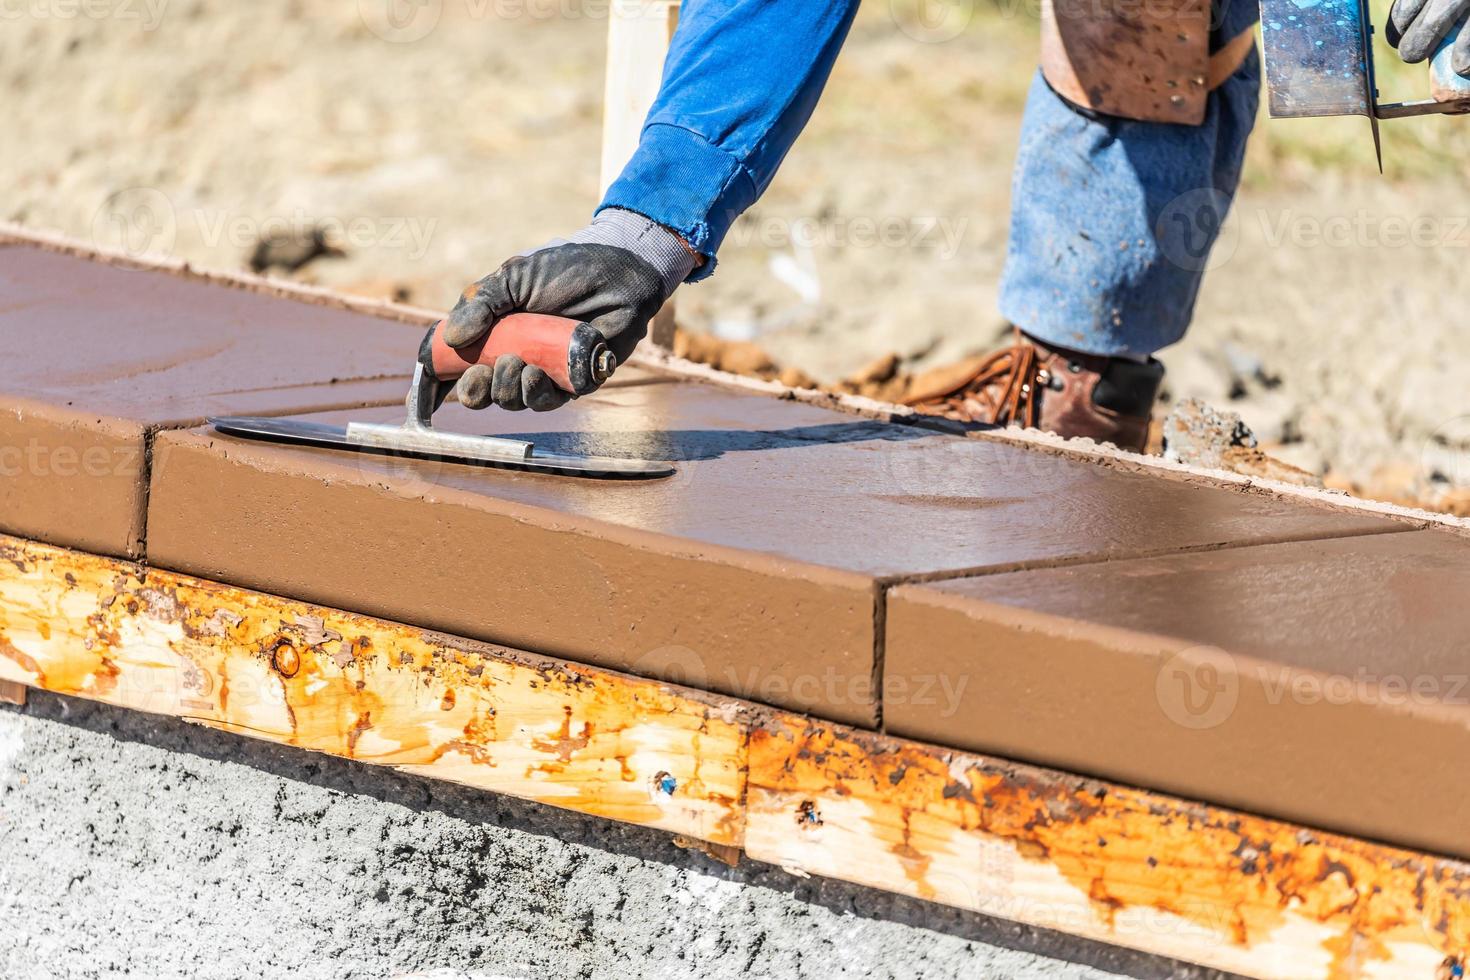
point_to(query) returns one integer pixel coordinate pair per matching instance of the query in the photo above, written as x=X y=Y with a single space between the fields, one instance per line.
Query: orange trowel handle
x=572 y=353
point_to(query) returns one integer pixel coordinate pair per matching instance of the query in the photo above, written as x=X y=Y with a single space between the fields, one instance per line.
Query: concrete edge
x=665 y=362
x=1086 y=450
x=16 y=234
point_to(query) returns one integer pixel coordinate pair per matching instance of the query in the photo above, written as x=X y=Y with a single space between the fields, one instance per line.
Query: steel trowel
x=1319 y=62
x=572 y=353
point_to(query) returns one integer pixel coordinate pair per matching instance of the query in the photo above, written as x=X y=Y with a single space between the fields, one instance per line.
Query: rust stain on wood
x=379 y=692
x=1243 y=879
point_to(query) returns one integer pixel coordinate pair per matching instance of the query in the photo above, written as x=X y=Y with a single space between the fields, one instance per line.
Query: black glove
x=1415 y=28
x=613 y=274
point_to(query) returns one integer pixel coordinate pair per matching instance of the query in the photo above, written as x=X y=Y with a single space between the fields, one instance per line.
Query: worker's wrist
x=669 y=254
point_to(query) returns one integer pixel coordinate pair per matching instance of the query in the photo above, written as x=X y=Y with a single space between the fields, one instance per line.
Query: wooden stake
x=638 y=35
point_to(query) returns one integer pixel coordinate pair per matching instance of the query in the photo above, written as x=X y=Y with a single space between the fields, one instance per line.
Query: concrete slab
x=756 y=571
x=95 y=356
x=1323 y=682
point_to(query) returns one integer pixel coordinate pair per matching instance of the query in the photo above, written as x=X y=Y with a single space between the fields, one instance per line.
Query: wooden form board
x=360 y=688
x=1254 y=896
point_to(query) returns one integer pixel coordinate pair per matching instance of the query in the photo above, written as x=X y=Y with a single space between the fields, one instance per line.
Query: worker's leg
x=1112 y=220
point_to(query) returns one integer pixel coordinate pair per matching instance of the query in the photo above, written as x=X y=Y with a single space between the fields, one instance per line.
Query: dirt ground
x=433 y=145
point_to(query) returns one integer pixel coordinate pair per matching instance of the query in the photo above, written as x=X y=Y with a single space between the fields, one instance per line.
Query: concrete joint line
x=921 y=578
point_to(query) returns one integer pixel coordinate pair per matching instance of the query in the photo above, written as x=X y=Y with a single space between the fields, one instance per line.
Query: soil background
x=430 y=139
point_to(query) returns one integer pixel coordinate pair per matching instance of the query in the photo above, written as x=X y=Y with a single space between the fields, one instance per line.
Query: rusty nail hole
x=665 y=783
x=285 y=659
x=807 y=815
x=448 y=703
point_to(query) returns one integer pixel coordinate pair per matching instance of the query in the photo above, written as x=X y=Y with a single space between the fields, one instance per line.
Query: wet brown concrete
x=756 y=571
x=1325 y=682
x=93 y=357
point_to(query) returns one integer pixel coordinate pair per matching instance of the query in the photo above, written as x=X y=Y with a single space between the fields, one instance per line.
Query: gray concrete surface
x=145 y=847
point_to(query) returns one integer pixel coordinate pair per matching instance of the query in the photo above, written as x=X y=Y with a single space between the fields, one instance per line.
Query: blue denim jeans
x=1112 y=221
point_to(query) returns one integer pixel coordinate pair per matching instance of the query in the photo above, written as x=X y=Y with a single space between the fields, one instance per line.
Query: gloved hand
x=614 y=274
x=1415 y=28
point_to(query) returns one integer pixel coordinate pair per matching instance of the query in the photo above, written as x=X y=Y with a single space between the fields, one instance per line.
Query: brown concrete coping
x=757 y=571
x=95 y=356
x=1325 y=682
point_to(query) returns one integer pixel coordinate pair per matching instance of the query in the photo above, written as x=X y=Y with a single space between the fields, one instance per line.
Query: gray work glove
x=614 y=274
x=1415 y=28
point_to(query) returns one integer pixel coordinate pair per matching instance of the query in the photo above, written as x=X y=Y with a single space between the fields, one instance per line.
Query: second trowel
x=573 y=354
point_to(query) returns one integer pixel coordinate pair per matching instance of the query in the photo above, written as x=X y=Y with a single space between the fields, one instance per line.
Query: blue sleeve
x=741 y=80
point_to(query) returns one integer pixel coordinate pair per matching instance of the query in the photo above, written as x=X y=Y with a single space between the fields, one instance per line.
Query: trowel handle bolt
x=604 y=363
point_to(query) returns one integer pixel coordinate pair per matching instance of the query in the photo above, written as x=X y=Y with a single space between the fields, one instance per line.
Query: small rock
x=743 y=357
x=292 y=250
x=697 y=347
x=1197 y=435
x=876 y=372
x=794 y=377
x=894 y=390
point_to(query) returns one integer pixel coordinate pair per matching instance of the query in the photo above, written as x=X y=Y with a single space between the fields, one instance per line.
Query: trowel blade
x=335 y=437
x=1319 y=60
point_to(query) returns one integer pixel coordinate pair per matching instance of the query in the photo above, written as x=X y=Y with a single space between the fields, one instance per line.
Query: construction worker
x=1130 y=154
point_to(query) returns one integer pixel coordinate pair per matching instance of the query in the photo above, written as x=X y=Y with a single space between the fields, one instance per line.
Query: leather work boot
x=1030 y=384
